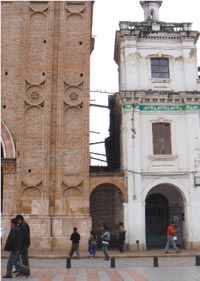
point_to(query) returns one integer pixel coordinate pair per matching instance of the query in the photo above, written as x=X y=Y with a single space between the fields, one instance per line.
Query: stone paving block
x=170 y=269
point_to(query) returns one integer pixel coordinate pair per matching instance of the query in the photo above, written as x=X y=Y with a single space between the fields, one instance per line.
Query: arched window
x=152 y=14
x=161 y=138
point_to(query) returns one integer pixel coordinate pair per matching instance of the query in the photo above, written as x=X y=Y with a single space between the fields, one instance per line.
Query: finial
x=151 y=9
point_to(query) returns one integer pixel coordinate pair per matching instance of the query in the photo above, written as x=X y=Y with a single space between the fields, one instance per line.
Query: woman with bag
x=92 y=243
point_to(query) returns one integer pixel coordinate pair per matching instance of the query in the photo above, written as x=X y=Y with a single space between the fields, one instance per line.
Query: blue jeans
x=13 y=259
x=92 y=249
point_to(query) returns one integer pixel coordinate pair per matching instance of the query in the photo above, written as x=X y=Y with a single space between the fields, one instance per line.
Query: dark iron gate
x=157 y=218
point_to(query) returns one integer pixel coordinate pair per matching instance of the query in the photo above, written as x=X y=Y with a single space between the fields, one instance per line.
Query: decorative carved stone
x=38 y=5
x=73 y=95
x=75 y=7
x=73 y=58
x=36 y=53
x=72 y=180
x=34 y=95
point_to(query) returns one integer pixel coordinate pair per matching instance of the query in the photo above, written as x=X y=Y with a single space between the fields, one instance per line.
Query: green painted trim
x=163 y=107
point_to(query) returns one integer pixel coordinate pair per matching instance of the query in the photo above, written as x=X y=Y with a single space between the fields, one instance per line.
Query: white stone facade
x=143 y=101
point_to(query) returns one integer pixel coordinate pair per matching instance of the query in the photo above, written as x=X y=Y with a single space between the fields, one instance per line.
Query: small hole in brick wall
x=45 y=41
x=80 y=43
x=81 y=106
x=29 y=170
x=43 y=73
x=42 y=105
x=81 y=74
x=6 y=73
x=4 y=106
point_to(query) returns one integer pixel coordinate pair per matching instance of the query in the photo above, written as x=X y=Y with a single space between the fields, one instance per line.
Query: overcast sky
x=104 y=75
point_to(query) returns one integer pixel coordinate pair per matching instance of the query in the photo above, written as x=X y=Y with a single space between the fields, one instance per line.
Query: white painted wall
x=135 y=71
x=136 y=158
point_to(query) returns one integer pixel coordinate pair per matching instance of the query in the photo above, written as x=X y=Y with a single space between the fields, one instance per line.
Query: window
x=161 y=138
x=159 y=68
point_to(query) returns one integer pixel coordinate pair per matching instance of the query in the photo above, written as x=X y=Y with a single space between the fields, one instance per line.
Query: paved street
x=127 y=269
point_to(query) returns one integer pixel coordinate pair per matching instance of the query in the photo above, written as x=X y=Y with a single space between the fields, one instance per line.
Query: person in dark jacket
x=13 y=245
x=75 y=238
x=25 y=230
x=122 y=236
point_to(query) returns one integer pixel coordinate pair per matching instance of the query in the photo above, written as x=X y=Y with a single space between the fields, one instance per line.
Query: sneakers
x=178 y=251
x=7 y=276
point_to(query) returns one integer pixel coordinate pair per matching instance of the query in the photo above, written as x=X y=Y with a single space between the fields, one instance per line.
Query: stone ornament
x=73 y=96
x=72 y=180
x=38 y=6
x=75 y=7
x=34 y=95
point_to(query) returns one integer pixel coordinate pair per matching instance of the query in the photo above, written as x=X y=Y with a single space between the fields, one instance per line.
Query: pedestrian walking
x=121 y=237
x=13 y=245
x=75 y=238
x=92 y=243
x=25 y=230
x=105 y=236
x=171 y=238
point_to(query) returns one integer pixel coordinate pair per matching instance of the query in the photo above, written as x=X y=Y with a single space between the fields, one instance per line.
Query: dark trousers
x=121 y=245
x=24 y=256
x=74 y=248
x=105 y=250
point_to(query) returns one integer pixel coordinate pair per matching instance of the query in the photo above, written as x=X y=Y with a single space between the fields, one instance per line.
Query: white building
x=159 y=107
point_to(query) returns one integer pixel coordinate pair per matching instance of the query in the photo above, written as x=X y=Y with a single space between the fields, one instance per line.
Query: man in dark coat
x=122 y=236
x=13 y=245
x=25 y=230
x=75 y=238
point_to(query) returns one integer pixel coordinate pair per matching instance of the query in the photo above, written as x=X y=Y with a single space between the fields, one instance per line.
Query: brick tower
x=46 y=49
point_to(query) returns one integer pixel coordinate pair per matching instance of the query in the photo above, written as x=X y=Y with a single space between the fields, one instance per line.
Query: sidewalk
x=125 y=269
x=113 y=253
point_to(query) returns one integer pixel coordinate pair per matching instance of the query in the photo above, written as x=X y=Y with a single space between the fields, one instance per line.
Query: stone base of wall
x=52 y=233
x=192 y=245
x=137 y=247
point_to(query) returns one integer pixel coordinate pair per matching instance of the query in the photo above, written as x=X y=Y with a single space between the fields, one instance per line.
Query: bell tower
x=45 y=93
x=151 y=10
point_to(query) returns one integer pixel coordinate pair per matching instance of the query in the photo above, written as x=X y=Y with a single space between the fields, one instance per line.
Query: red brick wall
x=46 y=50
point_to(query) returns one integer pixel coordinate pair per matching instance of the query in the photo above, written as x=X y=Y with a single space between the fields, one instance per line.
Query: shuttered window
x=159 y=68
x=161 y=138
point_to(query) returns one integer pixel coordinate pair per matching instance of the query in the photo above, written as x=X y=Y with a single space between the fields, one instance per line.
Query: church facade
x=153 y=151
x=159 y=105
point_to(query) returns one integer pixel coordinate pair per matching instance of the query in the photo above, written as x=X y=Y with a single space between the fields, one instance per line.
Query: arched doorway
x=106 y=208
x=164 y=203
x=157 y=217
x=2 y=156
x=8 y=161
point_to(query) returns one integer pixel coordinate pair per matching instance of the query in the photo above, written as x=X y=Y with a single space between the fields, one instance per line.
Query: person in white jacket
x=105 y=236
